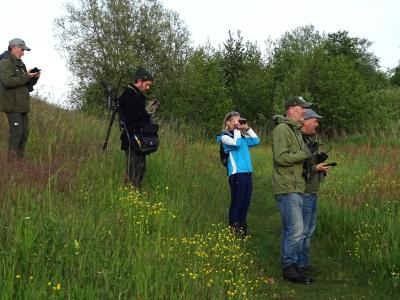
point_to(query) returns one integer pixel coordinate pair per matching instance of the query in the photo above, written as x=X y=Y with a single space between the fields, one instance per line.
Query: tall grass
x=70 y=228
x=360 y=208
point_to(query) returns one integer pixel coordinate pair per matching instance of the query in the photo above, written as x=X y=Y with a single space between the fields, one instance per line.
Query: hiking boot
x=291 y=274
x=306 y=270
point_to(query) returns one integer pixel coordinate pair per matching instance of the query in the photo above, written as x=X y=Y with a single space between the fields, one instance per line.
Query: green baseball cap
x=297 y=101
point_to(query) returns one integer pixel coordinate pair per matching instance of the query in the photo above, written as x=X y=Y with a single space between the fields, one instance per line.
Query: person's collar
x=135 y=88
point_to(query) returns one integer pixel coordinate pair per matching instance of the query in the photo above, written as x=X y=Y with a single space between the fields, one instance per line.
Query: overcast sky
x=210 y=20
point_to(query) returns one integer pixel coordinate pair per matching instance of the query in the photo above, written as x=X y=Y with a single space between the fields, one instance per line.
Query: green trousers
x=19 y=131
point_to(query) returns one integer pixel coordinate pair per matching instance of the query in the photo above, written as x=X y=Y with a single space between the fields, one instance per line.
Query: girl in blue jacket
x=236 y=138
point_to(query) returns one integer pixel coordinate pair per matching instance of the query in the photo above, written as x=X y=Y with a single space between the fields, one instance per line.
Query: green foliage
x=334 y=71
x=203 y=99
x=246 y=78
x=108 y=39
x=395 y=78
x=71 y=229
x=383 y=107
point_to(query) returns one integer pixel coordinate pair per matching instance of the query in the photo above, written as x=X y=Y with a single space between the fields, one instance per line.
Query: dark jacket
x=289 y=152
x=132 y=111
x=315 y=178
x=15 y=84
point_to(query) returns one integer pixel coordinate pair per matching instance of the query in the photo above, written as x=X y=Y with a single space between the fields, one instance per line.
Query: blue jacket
x=237 y=145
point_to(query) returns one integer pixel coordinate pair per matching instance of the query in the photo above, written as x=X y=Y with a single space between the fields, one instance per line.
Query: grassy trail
x=333 y=279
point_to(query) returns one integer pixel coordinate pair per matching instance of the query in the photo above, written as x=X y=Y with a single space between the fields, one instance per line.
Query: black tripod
x=112 y=103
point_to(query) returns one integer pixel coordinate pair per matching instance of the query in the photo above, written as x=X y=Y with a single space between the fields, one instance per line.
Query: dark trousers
x=136 y=167
x=19 y=131
x=241 y=188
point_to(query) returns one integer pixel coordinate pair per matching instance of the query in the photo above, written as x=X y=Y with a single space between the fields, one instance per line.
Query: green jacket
x=312 y=185
x=14 y=85
x=289 y=152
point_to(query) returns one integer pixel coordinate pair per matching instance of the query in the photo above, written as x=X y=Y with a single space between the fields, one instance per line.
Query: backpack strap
x=224 y=156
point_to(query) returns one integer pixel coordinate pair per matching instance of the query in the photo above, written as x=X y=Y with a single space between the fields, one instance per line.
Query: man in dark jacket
x=15 y=84
x=315 y=170
x=289 y=152
x=135 y=114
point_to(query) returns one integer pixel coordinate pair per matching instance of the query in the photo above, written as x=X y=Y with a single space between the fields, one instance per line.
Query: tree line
x=108 y=39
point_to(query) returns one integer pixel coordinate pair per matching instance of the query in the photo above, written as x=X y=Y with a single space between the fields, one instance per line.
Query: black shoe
x=306 y=270
x=291 y=274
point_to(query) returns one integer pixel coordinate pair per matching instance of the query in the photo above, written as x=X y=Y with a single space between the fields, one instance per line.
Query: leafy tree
x=395 y=78
x=233 y=56
x=203 y=100
x=245 y=77
x=252 y=96
x=356 y=50
x=288 y=64
x=334 y=71
x=110 y=38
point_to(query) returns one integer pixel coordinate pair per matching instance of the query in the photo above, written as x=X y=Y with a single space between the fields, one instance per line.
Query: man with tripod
x=134 y=115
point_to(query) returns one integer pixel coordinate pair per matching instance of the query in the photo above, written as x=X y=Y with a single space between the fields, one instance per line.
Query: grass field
x=71 y=228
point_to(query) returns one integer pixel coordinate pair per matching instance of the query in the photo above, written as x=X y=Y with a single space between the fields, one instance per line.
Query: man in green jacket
x=15 y=84
x=315 y=170
x=289 y=152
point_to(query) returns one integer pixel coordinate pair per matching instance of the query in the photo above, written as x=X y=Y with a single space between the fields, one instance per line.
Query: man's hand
x=323 y=168
x=34 y=75
x=152 y=106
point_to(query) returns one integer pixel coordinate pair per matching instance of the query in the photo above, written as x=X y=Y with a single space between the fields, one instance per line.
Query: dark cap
x=18 y=43
x=309 y=114
x=142 y=74
x=297 y=101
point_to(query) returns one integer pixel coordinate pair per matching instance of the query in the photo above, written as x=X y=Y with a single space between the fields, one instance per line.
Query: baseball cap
x=18 y=43
x=309 y=114
x=297 y=101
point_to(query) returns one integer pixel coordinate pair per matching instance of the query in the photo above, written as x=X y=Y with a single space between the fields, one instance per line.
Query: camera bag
x=146 y=140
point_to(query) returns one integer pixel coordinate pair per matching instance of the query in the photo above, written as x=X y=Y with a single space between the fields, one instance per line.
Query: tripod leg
x=109 y=129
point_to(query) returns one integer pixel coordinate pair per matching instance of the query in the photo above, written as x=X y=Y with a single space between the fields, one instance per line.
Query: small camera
x=242 y=121
x=34 y=70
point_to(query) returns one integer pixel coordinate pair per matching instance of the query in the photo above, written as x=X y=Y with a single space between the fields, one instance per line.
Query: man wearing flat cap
x=15 y=84
x=135 y=114
x=315 y=170
x=289 y=152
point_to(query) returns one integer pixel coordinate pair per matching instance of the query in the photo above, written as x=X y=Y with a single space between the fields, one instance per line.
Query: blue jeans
x=241 y=187
x=310 y=222
x=291 y=209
